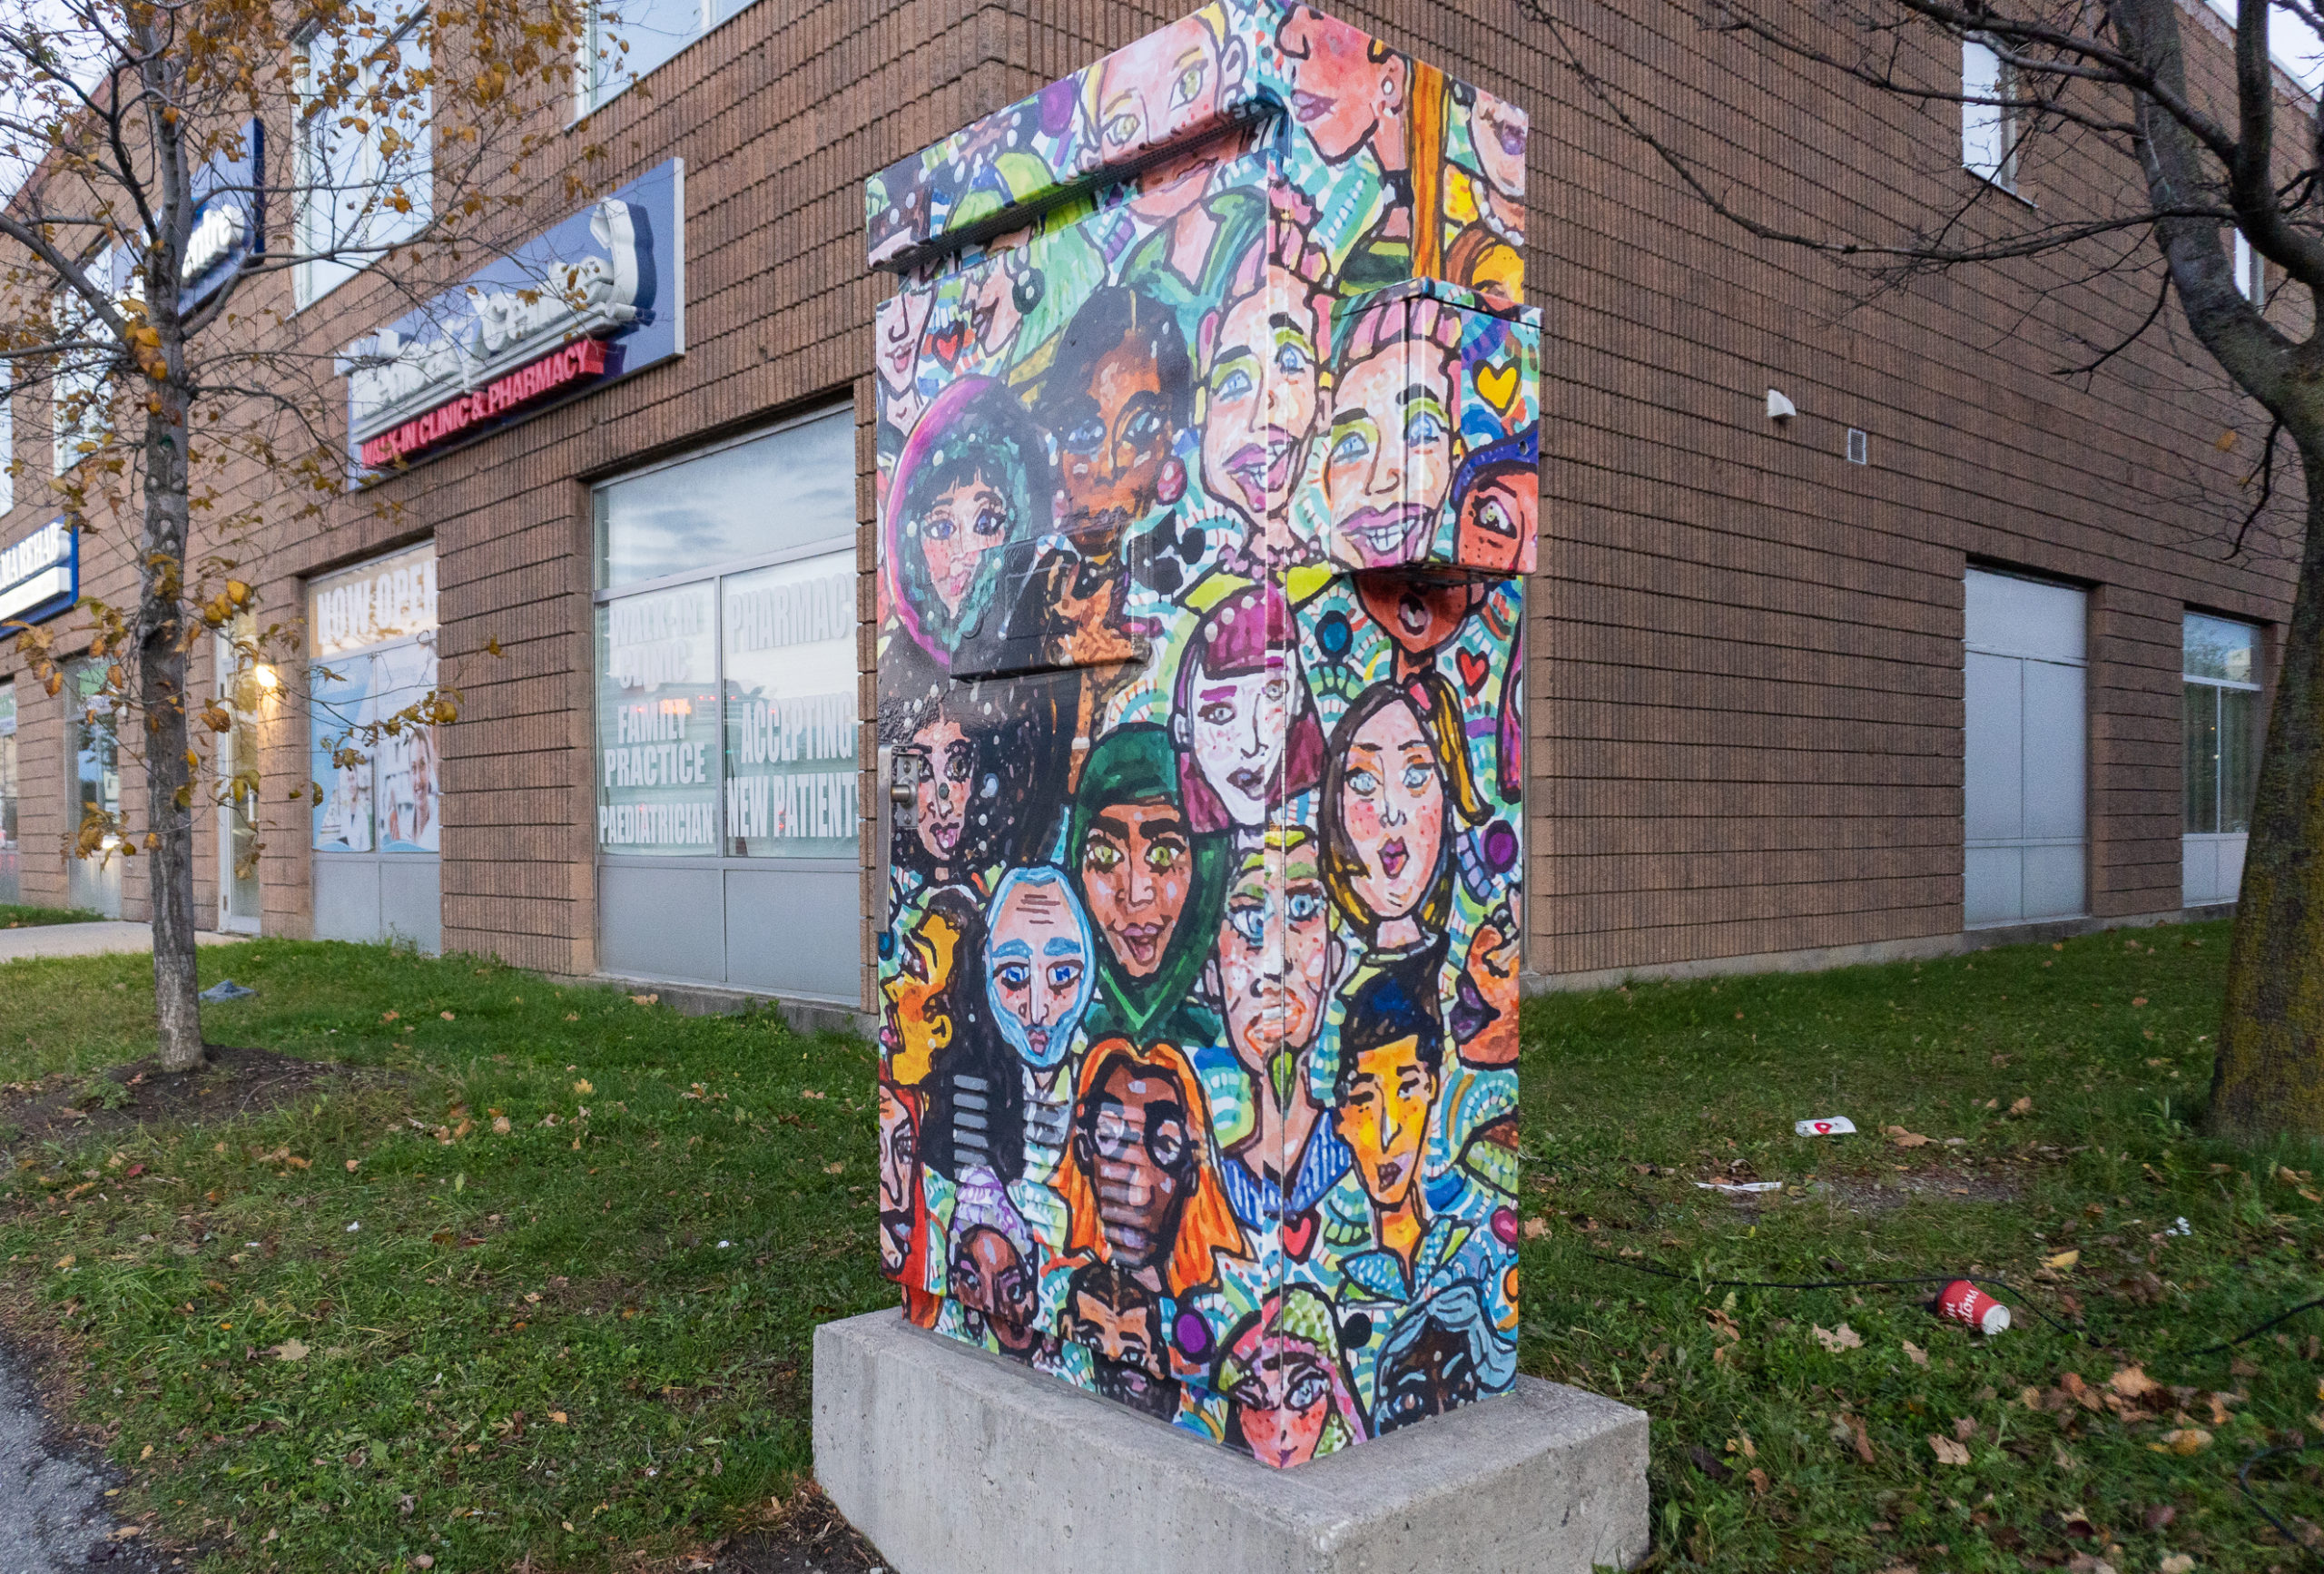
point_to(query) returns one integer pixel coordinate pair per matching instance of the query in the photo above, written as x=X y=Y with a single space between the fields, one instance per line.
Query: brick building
x=1955 y=649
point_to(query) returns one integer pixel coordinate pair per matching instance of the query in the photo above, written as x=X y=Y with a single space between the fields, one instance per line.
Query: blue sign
x=229 y=222
x=599 y=297
x=39 y=575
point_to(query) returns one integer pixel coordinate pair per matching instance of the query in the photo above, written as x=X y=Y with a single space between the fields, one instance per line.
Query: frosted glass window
x=1988 y=134
x=790 y=488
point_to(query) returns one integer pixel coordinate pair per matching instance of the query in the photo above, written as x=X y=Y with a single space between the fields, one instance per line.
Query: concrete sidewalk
x=88 y=940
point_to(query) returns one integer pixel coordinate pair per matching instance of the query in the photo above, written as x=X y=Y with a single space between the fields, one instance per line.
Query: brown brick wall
x=1746 y=652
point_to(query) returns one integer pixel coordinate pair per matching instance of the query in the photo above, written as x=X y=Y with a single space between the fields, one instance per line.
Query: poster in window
x=657 y=723
x=790 y=749
x=404 y=765
x=336 y=692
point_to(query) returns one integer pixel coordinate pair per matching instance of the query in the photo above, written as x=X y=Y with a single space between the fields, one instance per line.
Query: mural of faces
x=1260 y=396
x=1388 y=448
x=1207 y=494
x=1274 y=949
x=1039 y=973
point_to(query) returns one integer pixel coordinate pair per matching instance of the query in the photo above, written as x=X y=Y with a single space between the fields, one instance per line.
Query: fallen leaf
x=2159 y=1518
x=1902 y=1138
x=392 y=1017
x=1839 y=1339
x=557 y=1416
x=501 y=1127
x=353 y=1164
x=1535 y=1227
x=1708 y=1462
x=147 y=1454
x=2062 y=1259
x=808 y=1093
x=65 y=1261
x=1902 y=1569
x=2176 y=1563
x=1947 y=1451
x=1759 y=1479
x=573 y=1016
x=2183 y=1440
x=1964 y=1428
x=2064 y=1460
x=1919 y=1356
x=2133 y=1382
x=2023 y=1106
x=584 y=1086
x=835 y=1167
x=448 y=1017
x=424 y=1560
x=291 y=1349
x=2138 y=999
x=644 y=999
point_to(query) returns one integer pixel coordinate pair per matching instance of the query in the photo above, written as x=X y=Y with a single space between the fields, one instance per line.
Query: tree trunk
x=2268 y=1077
x=161 y=696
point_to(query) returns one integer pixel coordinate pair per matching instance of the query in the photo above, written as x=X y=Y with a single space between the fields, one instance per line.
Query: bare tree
x=2200 y=140
x=140 y=264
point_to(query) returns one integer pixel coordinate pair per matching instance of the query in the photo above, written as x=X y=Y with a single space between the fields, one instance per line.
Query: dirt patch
x=71 y=1106
x=810 y=1539
x=1885 y=1194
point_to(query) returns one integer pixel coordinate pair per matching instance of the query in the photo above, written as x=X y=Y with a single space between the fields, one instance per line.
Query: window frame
x=2001 y=172
x=380 y=229
x=721 y=853
x=2214 y=687
x=593 y=91
x=2251 y=271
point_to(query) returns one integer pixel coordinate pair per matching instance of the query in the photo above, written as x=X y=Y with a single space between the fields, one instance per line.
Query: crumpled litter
x=224 y=989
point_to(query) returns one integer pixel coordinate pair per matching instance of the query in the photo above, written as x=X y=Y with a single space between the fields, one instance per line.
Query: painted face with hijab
x=1039 y=975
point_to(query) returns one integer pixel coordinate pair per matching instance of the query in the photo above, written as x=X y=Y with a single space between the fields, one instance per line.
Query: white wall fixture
x=1780 y=409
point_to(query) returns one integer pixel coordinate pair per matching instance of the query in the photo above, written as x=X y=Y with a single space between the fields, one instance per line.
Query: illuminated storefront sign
x=595 y=298
x=39 y=575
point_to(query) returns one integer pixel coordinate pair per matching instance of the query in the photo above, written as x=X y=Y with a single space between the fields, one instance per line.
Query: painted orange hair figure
x=1140 y=1184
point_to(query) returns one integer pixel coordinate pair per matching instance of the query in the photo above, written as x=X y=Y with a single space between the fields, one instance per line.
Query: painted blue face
x=1037 y=976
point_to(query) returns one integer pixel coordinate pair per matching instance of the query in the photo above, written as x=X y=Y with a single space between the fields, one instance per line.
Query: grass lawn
x=581 y=1337
x=16 y=916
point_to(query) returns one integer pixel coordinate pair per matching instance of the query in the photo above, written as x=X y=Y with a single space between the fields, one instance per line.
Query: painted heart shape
x=1475 y=670
x=946 y=342
x=1299 y=1237
x=1498 y=384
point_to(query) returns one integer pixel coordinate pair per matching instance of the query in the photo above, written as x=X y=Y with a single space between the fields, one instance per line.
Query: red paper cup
x=1963 y=1303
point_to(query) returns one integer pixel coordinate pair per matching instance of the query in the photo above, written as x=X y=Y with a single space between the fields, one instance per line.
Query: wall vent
x=1859 y=447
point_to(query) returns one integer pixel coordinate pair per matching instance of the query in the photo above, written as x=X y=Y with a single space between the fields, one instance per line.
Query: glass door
x=240 y=906
x=92 y=880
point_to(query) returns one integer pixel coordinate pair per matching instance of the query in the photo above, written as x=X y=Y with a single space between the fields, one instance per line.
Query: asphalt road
x=51 y=1498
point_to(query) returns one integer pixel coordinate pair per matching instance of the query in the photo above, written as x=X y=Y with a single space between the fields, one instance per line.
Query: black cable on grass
x=2243 y=1481
x=1979 y=1279
x=2262 y=1328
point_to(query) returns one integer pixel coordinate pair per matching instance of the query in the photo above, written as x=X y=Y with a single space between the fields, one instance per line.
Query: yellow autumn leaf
x=2062 y=1259
x=584 y=1085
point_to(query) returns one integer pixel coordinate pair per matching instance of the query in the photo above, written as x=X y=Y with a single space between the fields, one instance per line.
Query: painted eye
x=1416 y=777
x=1218 y=713
x=1293 y=359
x=1351 y=448
x=1278 y=688
x=1189 y=84
x=1087 y=438
x=1306 y=1391
x=1122 y=128
x=936 y=527
x=1363 y=783
x=1250 y=922
x=1102 y=856
x=991 y=522
x=1423 y=426
x=1064 y=975
x=1162 y=856
x=1167 y=1142
x=1496 y=518
x=1236 y=385
x=1303 y=906
x=1142 y=428
x=1012 y=976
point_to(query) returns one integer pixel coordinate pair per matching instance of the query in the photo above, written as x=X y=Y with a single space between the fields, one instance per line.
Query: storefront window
x=2221 y=669
x=96 y=745
x=239 y=897
x=772 y=775
x=371 y=640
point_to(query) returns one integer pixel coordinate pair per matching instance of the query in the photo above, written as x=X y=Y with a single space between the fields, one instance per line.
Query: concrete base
x=952 y=1461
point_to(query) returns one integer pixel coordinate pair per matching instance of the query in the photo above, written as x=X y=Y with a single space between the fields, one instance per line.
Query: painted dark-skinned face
x=1127 y=1353
x=1497 y=516
x=1419 y=615
x=899 y=1175
x=992 y=1283
x=1429 y=1377
x=1282 y=1402
x=916 y=1025
x=1135 y=1144
x=1136 y=868
x=1113 y=440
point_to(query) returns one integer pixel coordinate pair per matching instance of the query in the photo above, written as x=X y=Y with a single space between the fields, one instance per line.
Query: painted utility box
x=1209 y=439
